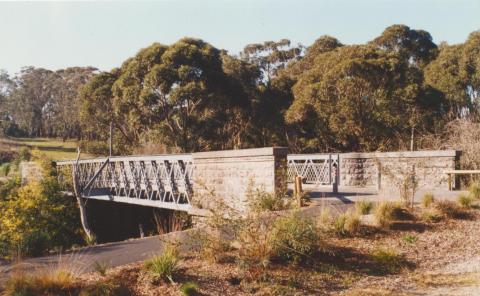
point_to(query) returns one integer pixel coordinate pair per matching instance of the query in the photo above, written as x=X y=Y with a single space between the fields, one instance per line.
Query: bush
x=388 y=260
x=363 y=207
x=24 y=154
x=465 y=201
x=189 y=289
x=474 y=190
x=347 y=224
x=163 y=267
x=386 y=212
x=294 y=238
x=428 y=199
x=261 y=201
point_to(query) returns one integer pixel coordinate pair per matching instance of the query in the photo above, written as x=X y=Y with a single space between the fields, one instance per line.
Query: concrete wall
x=384 y=169
x=231 y=173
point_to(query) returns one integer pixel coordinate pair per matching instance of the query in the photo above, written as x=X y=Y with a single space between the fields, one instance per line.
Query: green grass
x=55 y=149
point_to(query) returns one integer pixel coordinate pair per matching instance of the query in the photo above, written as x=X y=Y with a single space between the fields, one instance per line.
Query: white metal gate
x=320 y=169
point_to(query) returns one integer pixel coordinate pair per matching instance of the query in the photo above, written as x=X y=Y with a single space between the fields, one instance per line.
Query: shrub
x=387 y=260
x=163 y=267
x=347 y=224
x=24 y=154
x=474 y=190
x=324 y=220
x=427 y=199
x=294 y=238
x=189 y=289
x=261 y=201
x=449 y=209
x=465 y=201
x=386 y=212
x=363 y=207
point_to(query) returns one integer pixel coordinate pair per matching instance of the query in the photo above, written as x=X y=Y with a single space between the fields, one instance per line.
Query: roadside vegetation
x=285 y=253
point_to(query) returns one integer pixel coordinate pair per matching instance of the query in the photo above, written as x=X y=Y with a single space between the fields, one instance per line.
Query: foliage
x=259 y=201
x=189 y=289
x=294 y=238
x=36 y=217
x=347 y=224
x=428 y=199
x=164 y=266
x=465 y=200
x=363 y=207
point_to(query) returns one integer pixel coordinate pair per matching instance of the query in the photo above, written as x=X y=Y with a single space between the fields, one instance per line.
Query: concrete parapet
x=229 y=174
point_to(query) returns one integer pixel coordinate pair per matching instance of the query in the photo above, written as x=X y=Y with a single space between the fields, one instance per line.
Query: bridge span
x=167 y=181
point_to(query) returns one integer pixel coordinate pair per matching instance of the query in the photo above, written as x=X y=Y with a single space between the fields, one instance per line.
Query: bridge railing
x=320 y=169
x=160 y=178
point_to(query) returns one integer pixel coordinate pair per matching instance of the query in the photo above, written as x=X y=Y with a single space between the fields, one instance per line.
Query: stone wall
x=230 y=174
x=385 y=169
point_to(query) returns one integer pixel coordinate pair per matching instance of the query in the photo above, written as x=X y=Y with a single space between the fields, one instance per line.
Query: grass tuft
x=163 y=267
x=363 y=207
x=465 y=201
x=189 y=289
x=388 y=260
x=428 y=200
x=386 y=212
x=474 y=190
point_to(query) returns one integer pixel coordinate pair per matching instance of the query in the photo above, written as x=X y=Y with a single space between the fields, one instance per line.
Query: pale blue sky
x=103 y=34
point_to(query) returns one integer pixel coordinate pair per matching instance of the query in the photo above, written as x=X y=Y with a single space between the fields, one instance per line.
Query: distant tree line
x=191 y=96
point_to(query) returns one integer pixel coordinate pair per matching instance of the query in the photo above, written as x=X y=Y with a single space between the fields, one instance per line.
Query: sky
x=56 y=35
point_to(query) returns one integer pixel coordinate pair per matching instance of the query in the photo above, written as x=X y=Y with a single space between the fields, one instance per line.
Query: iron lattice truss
x=165 y=179
x=320 y=169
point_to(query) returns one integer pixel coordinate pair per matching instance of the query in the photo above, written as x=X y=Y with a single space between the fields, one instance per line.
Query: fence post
x=298 y=190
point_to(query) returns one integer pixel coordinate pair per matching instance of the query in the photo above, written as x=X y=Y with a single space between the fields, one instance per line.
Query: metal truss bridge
x=166 y=181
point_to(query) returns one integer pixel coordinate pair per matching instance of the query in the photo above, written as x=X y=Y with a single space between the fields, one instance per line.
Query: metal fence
x=320 y=169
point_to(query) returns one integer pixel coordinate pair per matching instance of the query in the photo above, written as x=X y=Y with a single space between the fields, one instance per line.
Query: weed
x=347 y=224
x=363 y=207
x=162 y=267
x=474 y=190
x=388 y=260
x=100 y=267
x=189 y=289
x=294 y=238
x=410 y=239
x=428 y=200
x=465 y=201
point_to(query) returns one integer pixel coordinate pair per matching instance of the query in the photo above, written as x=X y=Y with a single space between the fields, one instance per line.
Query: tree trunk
x=80 y=201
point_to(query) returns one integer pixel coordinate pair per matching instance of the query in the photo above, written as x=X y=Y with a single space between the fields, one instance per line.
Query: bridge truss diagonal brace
x=95 y=176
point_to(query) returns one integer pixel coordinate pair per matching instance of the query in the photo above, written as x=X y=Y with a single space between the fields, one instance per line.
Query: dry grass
x=387 y=212
x=428 y=199
x=54 y=149
x=447 y=279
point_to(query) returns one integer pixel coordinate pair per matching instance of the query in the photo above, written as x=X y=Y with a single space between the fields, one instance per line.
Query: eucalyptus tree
x=360 y=98
x=456 y=73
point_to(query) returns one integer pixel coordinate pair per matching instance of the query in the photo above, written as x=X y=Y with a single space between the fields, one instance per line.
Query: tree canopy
x=192 y=96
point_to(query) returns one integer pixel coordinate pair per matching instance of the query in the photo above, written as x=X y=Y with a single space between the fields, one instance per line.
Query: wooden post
x=449 y=182
x=335 y=179
x=298 y=190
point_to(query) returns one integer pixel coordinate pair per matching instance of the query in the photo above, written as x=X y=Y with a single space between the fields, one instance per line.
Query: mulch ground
x=346 y=267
